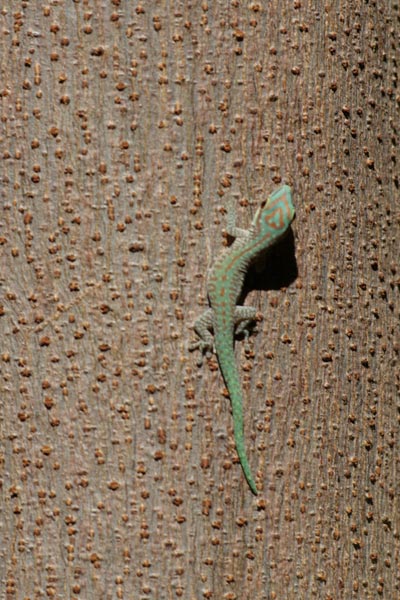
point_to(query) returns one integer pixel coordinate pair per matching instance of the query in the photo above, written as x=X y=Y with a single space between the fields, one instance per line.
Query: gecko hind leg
x=245 y=317
x=203 y=327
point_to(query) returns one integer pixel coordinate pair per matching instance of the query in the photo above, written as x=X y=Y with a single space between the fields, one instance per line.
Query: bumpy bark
x=126 y=129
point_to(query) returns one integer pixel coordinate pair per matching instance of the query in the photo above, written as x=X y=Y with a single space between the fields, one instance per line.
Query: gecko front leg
x=231 y=229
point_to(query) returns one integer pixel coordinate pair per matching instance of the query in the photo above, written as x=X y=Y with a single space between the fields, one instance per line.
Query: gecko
x=224 y=319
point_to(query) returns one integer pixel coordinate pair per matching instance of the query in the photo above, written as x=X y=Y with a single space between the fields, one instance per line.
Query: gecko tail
x=241 y=451
x=228 y=367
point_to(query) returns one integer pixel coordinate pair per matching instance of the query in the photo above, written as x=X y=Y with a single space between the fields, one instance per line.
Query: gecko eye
x=263 y=203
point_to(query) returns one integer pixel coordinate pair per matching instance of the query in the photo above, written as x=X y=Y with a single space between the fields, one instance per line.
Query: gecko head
x=276 y=213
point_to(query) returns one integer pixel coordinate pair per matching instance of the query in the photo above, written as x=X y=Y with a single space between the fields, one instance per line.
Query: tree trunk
x=126 y=129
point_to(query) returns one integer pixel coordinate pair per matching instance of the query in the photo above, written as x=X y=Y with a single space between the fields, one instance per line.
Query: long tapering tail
x=227 y=363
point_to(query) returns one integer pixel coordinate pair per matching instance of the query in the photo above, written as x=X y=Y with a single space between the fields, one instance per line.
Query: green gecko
x=225 y=281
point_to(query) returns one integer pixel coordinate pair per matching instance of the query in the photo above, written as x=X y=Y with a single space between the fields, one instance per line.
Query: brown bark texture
x=126 y=129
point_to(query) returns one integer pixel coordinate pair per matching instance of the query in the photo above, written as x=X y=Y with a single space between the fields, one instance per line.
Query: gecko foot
x=206 y=349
